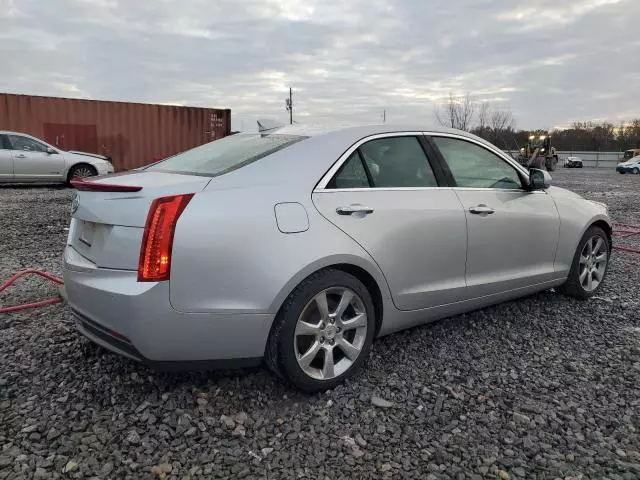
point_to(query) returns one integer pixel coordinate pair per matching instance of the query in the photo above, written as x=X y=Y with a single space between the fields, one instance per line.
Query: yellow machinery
x=538 y=153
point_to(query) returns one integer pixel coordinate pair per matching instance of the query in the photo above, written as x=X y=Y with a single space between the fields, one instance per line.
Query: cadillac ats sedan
x=300 y=247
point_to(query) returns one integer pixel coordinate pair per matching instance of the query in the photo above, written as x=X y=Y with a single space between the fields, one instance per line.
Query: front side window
x=476 y=167
x=226 y=154
x=18 y=142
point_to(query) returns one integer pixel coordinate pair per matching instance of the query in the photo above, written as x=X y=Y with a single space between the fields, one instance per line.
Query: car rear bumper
x=136 y=320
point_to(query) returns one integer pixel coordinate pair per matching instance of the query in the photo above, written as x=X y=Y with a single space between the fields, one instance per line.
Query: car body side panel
x=38 y=166
x=576 y=215
x=515 y=246
x=6 y=164
x=238 y=260
x=396 y=320
x=417 y=237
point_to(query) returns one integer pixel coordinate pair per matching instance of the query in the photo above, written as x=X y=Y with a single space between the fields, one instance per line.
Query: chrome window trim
x=492 y=149
x=322 y=184
x=380 y=189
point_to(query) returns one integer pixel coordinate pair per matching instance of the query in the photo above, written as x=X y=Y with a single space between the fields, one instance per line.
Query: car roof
x=364 y=129
x=8 y=132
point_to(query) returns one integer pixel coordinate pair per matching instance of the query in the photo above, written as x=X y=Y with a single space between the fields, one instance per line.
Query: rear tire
x=323 y=332
x=636 y=171
x=590 y=265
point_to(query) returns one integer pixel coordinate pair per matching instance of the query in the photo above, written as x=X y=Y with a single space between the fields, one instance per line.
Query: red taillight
x=157 y=240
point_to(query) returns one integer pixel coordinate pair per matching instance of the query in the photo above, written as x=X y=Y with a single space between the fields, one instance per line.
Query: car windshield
x=229 y=153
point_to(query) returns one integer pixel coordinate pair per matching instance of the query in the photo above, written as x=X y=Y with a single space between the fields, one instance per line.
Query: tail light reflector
x=157 y=240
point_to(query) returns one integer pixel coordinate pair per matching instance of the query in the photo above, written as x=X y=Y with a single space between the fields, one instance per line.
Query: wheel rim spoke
x=308 y=357
x=328 y=369
x=602 y=257
x=590 y=281
x=599 y=245
x=323 y=306
x=583 y=276
x=304 y=328
x=359 y=321
x=345 y=300
x=350 y=350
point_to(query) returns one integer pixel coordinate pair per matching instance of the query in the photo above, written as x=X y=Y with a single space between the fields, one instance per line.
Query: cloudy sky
x=549 y=61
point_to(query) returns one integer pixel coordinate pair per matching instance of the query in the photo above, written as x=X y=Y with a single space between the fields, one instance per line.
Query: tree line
x=497 y=125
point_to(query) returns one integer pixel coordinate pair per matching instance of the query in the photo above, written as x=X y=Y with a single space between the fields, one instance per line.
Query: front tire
x=81 y=171
x=590 y=264
x=324 y=331
x=636 y=171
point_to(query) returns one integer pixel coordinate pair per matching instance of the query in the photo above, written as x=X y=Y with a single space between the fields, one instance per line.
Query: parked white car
x=573 y=162
x=24 y=158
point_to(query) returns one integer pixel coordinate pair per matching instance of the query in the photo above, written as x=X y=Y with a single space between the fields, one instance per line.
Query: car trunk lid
x=109 y=213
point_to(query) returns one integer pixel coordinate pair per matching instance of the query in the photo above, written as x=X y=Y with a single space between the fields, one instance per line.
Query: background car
x=629 y=154
x=573 y=162
x=24 y=158
x=630 y=166
x=301 y=246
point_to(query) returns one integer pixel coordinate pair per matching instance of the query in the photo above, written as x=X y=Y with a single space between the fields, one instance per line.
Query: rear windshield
x=226 y=154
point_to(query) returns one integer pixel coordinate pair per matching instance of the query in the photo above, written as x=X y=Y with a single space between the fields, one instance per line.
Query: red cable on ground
x=43 y=303
x=626 y=231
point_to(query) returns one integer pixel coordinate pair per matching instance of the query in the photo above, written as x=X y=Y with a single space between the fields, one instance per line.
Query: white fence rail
x=589 y=159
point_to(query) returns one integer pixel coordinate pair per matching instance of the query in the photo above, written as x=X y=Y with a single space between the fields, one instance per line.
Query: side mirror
x=539 y=179
x=51 y=151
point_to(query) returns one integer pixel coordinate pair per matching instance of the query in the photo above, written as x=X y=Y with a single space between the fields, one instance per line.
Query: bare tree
x=483 y=116
x=501 y=120
x=457 y=113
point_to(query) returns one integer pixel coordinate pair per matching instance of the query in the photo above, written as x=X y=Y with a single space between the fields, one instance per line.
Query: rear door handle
x=482 y=209
x=21 y=155
x=351 y=209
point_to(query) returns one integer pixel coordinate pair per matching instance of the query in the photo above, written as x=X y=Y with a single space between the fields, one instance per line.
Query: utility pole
x=289 y=105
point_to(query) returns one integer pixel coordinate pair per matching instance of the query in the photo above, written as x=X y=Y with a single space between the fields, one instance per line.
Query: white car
x=573 y=162
x=24 y=158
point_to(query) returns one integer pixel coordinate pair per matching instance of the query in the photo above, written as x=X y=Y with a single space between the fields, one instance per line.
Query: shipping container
x=132 y=134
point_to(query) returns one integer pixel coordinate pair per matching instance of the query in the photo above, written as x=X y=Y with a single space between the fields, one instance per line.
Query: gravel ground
x=545 y=387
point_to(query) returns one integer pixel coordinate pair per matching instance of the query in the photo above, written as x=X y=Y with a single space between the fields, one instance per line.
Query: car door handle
x=21 y=155
x=482 y=209
x=351 y=209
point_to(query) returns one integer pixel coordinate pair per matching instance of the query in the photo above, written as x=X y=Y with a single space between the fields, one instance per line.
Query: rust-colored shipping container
x=132 y=134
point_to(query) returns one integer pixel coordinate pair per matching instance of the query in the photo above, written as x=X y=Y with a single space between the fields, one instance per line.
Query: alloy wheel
x=82 y=172
x=593 y=263
x=330 y=333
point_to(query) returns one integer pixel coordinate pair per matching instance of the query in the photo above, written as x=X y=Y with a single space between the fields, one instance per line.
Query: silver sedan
x=301 y=246
x=26 y=159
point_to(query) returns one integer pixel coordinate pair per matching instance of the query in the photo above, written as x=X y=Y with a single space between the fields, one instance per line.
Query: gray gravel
x=545 y=387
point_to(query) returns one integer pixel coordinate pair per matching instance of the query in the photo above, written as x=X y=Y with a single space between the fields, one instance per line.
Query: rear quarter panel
x=230 y=256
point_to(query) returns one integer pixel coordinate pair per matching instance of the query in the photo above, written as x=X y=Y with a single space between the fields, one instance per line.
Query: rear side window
x=351 y=175
x=227 y=154
x=391 y=162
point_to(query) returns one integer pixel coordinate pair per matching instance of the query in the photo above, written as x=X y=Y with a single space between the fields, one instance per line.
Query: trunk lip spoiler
x=84 y=185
